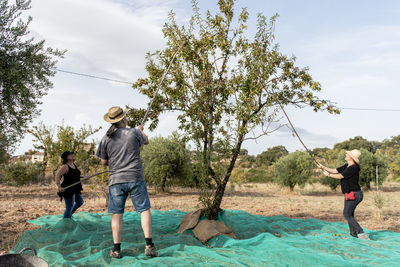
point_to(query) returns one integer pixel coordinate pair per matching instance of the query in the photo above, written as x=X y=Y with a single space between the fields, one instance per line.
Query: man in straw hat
x=120 y=149
x=349 y=174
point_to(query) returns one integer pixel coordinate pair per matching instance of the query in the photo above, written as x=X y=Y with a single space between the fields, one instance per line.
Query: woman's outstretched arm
x=330 y=170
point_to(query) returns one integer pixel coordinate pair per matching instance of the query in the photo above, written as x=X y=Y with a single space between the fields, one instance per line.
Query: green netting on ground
x=262 y=241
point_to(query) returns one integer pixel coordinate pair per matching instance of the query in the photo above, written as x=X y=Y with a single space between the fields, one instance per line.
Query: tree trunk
x=215 y=208
x=163 y=184
x=368 y=186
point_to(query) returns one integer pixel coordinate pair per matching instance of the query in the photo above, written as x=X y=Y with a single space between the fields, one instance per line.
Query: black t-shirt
x=72 y=176
x=351 y=176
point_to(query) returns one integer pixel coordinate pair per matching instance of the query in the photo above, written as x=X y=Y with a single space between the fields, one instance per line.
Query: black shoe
x=151 y=252
x=115 y=254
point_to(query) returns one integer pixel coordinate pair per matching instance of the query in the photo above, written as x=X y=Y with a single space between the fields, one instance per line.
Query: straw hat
x=115 y=114
x=355 y=155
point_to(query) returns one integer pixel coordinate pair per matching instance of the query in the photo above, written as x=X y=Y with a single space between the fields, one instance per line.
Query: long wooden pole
x=160 y=84
x=96 y=174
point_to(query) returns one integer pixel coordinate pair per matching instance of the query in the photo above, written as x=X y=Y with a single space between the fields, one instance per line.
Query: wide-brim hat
x=355 y=154
x=115 y=114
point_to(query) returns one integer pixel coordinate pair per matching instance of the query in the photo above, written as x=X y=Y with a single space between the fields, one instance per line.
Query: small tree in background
x=368 y=164
x=224 y=86
x=166 y=162
x=293 y=169
x=53 y=141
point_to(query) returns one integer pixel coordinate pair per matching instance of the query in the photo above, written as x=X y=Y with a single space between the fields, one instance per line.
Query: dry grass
x=19 y=204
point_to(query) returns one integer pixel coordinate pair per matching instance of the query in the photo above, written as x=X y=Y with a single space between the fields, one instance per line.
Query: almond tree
x=224 y=87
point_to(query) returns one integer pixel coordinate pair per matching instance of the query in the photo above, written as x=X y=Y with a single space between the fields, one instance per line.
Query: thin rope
x=126 y=82
x=159 y=85
x=295 y=131
x=372 y=109
x=92 y=76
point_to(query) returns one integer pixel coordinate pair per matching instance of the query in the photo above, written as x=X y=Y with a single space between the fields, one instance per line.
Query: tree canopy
x=224 y=86
x=356 y=142
x=271 y=155
x=166 y=162
x=26 y=66
x=293 y=169
x=53 y=141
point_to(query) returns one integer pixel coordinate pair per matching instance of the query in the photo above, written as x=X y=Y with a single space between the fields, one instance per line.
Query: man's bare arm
x=140 y=127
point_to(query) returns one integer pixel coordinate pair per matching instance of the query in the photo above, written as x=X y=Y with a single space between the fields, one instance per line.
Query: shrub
x=263 y=174
x=166 y=162
x=293 y=169
x=239 y=176
x=21 y=173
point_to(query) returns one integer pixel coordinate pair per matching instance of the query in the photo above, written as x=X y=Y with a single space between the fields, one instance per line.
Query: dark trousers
x=72 y=203
x=348 y=213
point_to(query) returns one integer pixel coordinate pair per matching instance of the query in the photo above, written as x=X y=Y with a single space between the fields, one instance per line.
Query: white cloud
x=102 y=37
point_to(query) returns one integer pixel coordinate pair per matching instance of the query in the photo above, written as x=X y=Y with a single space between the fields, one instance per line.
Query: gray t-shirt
x=122 y=151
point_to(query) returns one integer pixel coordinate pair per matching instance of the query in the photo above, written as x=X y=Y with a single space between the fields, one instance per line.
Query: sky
x=351 y=47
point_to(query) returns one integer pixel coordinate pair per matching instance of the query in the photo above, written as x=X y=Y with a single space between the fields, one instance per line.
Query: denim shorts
x=119 y=192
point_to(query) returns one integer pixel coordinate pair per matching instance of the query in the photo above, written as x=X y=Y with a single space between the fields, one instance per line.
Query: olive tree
x=368 y=164
x=293 y=169
x=224 y=86
x=26 y=66
x=166 y=162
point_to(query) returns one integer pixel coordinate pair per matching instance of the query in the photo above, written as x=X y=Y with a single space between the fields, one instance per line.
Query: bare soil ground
x=19 y=204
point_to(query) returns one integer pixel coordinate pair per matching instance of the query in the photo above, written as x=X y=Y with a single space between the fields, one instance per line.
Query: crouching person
x=120 y=149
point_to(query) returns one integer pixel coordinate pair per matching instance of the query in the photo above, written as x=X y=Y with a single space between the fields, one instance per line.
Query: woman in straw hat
x=120 y=149
x=349 y=176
